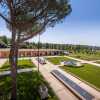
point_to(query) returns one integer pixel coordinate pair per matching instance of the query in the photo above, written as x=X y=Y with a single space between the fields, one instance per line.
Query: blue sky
x=81 y=27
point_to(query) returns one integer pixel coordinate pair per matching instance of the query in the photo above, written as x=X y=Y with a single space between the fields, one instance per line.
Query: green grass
x=27 y=87
x=88 y=73
x=25 y=63
x=57 y=60
x=88 y=57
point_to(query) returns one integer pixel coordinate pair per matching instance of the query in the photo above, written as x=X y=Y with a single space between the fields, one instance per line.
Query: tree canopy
x=31 y=17
x=27 y=18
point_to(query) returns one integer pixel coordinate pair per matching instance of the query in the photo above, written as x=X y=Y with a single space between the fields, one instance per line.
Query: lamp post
x=38 y=51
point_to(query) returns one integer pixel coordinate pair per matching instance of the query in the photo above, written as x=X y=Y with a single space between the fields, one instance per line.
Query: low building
x=4 y=53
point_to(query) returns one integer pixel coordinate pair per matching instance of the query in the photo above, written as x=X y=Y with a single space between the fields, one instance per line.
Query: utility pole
x=38 y=51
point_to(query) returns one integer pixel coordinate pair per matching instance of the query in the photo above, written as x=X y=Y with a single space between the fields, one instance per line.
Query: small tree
x=4 y=39
x=27 y=18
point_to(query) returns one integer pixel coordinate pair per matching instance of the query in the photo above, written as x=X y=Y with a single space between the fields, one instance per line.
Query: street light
x=38 y=51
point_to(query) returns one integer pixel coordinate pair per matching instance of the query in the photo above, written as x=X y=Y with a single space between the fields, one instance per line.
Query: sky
x=80 y=27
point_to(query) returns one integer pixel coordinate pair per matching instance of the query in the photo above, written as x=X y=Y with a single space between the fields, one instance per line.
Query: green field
x=25 y=63
x=27 y=87
x=88 y=57
x=57 y=60
x=88 y=72
x=27 y=84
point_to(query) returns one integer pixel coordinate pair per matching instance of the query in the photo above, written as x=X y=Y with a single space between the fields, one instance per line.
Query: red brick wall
x=4 y=54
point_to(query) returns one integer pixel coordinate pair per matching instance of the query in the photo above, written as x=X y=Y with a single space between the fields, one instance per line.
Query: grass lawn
x=27 y=87
x=88 y=73
x=56 y=60
x=88 y=57
x=25 y=63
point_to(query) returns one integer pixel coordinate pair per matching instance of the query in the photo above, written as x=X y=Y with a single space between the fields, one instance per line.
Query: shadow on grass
x=27 y=86
x=7 y=67
x=25 y=66
x=72 y=66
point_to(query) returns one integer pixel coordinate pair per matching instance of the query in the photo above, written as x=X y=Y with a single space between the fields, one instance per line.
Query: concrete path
x=2 y=61
x=19 y=71
x=46 y=69
x=84 y=61
x=61 y=91
x=94 y=61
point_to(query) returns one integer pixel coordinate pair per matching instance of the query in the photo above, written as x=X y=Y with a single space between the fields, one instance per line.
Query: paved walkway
x=61 y=91
x=2 y=61
x=94 y=61
x=84 y=61
x=19 y=71
x=46 y=69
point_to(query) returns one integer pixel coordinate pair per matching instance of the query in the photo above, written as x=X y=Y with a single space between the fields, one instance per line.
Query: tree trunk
x=13 y=57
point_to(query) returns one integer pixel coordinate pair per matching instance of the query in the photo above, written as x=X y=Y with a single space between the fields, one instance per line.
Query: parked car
x=41 y=60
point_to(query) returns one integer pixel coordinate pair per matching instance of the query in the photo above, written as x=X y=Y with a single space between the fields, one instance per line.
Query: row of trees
x=68 y=47
x=5 y=40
